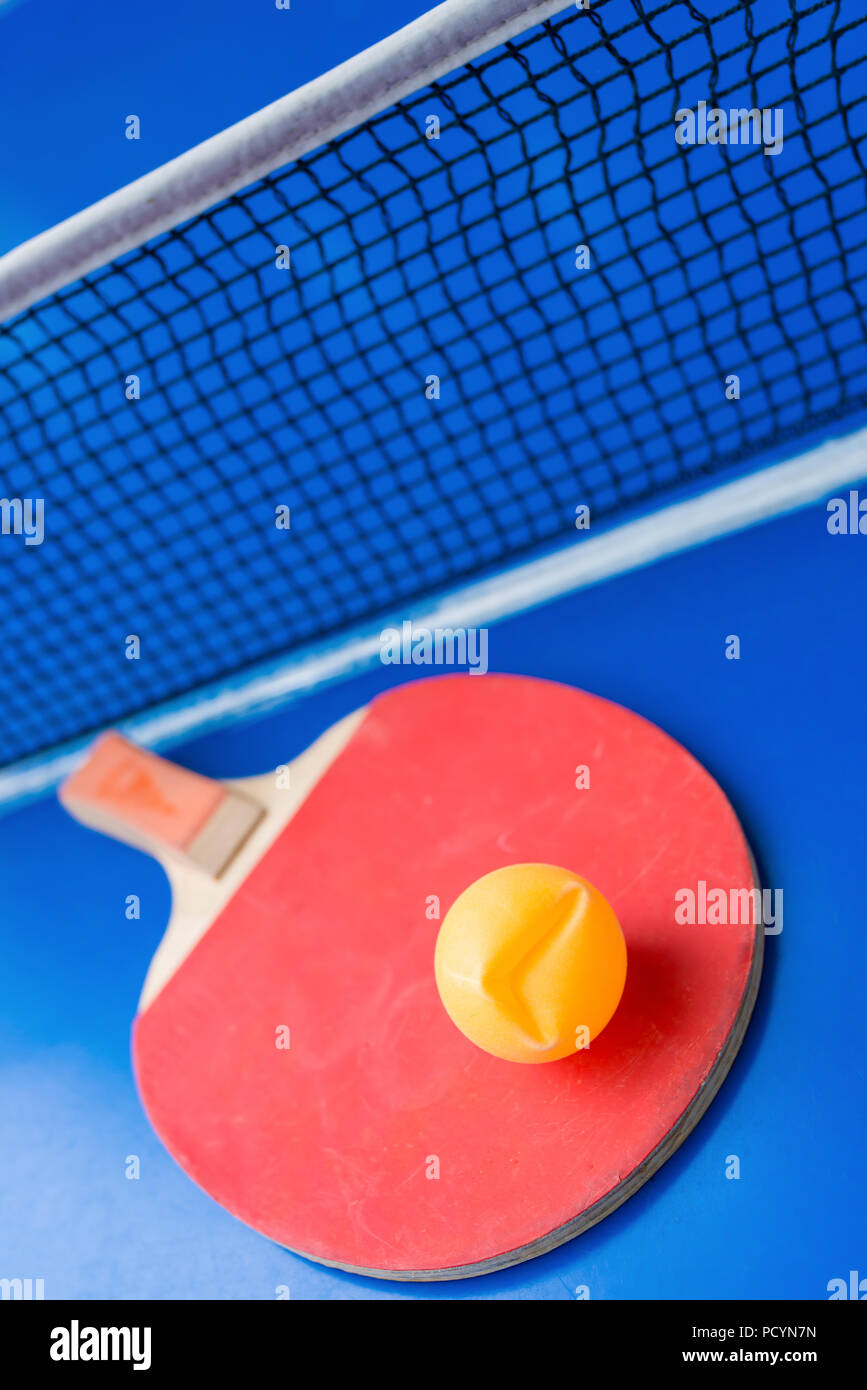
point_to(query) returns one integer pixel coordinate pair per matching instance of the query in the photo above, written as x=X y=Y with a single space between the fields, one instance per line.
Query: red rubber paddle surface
x=326 y=1147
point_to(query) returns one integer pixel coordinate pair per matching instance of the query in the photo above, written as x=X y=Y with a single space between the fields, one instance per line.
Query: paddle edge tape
x=631 y=1184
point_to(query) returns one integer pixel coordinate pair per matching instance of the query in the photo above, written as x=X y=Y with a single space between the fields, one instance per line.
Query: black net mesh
x=414 y=258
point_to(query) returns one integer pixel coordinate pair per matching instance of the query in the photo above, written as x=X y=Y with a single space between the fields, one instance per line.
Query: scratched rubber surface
x=326 y=1147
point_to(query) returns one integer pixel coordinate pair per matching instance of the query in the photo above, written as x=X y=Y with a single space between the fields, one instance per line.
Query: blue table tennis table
x=778 y=728
x=90 y=1203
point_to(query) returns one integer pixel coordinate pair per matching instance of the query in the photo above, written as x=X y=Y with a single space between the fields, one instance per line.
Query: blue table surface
x=780 y=729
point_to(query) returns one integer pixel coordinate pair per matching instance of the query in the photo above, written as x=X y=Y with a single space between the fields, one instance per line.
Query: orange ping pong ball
x=530 y=962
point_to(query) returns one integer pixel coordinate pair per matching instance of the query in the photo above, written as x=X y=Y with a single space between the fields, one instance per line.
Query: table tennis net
x=440 y=377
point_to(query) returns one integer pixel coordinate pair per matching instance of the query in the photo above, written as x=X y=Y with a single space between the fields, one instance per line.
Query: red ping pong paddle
x=291 y=1049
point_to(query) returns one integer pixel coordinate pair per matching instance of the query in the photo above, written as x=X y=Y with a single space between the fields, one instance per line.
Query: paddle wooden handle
x=147 y=801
